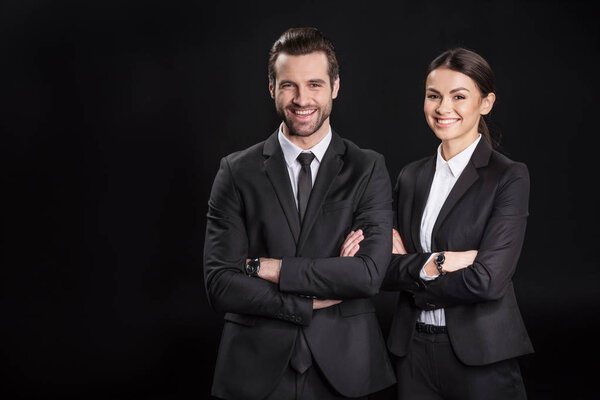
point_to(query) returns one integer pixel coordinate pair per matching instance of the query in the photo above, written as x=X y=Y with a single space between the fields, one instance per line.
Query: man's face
x=303 y=93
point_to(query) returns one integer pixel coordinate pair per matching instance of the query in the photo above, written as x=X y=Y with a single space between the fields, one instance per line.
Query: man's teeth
x=446 y=121
x=303 y=112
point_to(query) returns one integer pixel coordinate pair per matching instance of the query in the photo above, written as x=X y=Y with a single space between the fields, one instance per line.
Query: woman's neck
x=452 y=147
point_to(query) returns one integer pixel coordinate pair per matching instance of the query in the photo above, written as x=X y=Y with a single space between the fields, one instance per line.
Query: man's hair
x=300 y=41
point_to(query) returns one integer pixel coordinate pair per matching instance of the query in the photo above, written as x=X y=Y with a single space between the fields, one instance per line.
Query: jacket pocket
x=240 y=319
x=355 y=307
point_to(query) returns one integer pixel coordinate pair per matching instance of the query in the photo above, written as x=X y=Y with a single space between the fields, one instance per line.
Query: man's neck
x=307 y=142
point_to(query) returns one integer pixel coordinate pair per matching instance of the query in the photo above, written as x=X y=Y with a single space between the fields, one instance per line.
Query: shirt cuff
x=423 y=275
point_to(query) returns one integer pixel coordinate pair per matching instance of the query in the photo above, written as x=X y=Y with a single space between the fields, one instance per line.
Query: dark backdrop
x=114 y=116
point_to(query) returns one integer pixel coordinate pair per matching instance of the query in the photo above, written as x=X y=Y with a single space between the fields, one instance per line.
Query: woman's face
x=453 y=105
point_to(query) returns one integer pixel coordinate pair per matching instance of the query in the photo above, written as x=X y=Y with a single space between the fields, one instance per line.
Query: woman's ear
x=487 y=103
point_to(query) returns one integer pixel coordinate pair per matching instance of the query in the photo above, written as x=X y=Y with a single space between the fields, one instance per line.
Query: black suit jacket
x=485 y=211
x=252 y=213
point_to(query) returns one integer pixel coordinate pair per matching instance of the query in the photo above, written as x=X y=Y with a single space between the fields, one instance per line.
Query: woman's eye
x=459 y=97
x=432 y=96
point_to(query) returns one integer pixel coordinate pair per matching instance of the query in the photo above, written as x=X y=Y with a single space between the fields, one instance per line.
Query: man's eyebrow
x=316 y=81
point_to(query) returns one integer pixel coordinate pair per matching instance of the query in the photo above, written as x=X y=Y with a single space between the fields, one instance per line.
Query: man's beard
x=303 y=130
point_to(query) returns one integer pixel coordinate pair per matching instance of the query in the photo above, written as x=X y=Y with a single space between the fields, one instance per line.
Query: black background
x=114 y=116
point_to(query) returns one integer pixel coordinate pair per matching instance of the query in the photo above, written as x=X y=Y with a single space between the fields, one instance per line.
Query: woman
x=461 y=217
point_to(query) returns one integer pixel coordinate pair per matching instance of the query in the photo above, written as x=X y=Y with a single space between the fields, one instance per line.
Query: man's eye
x=315 y=85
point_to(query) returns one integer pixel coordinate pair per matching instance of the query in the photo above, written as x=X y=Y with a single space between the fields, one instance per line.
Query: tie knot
x=305 y=159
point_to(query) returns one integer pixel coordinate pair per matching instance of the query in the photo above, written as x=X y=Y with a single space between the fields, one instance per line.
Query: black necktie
x=301 y=357
x=304 y=183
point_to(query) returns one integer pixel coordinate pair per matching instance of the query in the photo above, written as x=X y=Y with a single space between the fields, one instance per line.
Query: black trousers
x=311 y=385
x=431 y=371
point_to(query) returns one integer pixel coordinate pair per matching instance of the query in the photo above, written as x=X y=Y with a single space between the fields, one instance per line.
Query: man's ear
x=336 y=87
x=487 y=103
x=271 y=90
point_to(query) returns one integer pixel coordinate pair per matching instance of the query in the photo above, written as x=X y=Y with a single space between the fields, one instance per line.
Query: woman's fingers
x=397 y=244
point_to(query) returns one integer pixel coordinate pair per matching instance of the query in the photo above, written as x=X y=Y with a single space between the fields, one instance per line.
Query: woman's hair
x=475 y=67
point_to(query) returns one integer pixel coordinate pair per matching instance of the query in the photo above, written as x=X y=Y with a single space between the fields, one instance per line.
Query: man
x=300 y=323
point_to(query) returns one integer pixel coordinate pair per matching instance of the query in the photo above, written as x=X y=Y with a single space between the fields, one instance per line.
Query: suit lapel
x=423 y=186
x=330 y=167
x=467 y=178
x=277 y=171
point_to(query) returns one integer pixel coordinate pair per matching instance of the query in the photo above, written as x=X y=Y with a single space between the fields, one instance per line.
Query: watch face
x=252 y=267
x=440 y=258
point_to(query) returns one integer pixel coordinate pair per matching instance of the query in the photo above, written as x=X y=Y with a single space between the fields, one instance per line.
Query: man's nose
x=302 y=97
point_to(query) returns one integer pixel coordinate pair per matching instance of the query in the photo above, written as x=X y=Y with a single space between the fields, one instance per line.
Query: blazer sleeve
x=403 y=271
x=225 y=250
x=350 y=277
x=492 y=271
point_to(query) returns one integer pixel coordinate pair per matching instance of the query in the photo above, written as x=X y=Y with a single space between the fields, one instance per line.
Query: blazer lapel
x=330 y=167
x=467 y=178
x=423 y=186
x=276 y=170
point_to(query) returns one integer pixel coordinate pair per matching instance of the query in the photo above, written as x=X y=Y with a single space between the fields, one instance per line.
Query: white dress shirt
x=291 y=152
x=446 y=175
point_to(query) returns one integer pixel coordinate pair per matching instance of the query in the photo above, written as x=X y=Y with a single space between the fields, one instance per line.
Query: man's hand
x=318 y=304
x=397 y=245
x=455 y=260
x=351 y=244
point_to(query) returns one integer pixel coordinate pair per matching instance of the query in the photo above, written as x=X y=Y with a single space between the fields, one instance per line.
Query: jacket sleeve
x=225 y=251
x=492 y=271
x=403 y=271
x=350 y=277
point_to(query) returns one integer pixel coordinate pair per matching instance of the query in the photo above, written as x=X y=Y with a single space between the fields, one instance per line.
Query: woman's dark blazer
x=486 y=211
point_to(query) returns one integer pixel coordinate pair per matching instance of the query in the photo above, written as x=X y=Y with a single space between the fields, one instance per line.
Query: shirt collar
x=457 y=163
x=291 y=151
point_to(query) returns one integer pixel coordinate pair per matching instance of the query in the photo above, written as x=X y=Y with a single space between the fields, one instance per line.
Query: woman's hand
x=351 y=244
x=456 y=260
x=397 y=245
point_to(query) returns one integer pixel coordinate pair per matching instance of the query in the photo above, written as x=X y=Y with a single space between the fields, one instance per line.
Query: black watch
x=439 y=260
x=253 y=267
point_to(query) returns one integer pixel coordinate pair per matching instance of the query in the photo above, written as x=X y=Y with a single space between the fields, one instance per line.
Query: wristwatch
x=253 y=267
x=439 y=260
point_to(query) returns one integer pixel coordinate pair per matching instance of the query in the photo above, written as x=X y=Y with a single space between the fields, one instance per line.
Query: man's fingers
x=350 y=251
x=350 y=248
x=319 y=304
x=349 y=237
x=355 y=240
